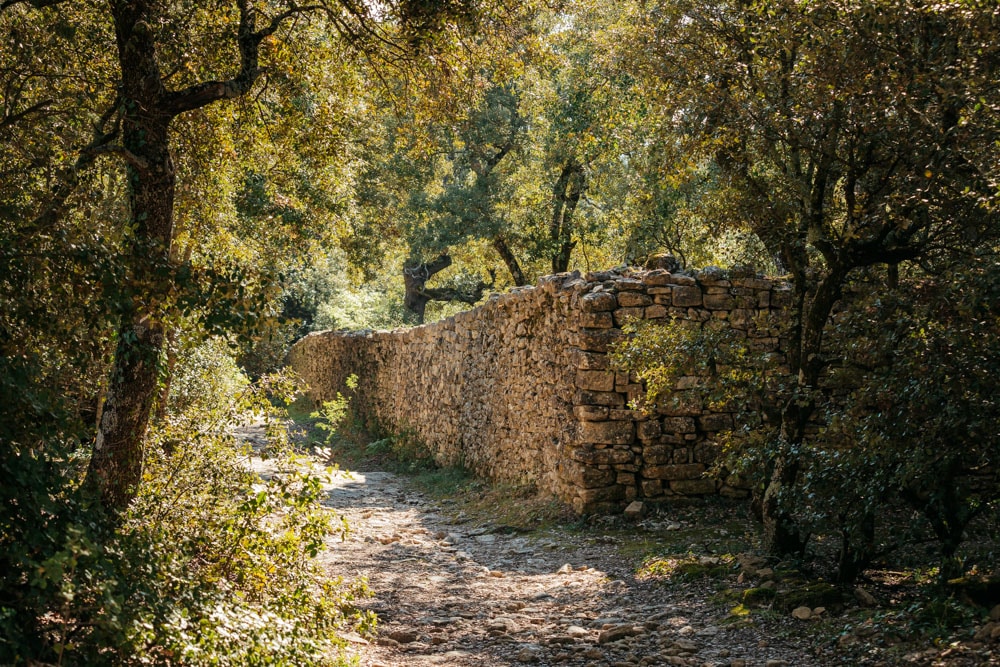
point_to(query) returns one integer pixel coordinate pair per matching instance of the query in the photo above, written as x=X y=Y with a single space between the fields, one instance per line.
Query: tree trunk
x=566 y=195
x=507 y=255
x=116 y=465
x=415 y=277
x=782 y=535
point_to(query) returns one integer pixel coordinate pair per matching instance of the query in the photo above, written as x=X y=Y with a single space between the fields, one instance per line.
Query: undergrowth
x=210 y=565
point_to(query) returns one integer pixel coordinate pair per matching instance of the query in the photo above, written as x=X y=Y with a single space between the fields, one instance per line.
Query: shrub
x=211 y=565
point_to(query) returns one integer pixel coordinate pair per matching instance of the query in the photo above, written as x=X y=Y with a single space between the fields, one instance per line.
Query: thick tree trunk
x=116 y=465
x=415 y=277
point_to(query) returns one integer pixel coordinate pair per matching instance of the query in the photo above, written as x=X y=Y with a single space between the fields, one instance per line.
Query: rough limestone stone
x=635 y=510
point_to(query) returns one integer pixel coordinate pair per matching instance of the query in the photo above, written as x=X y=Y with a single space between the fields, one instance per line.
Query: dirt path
x=450 y=590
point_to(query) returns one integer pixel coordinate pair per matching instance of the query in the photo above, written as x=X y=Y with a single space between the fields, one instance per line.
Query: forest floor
x=463 y=574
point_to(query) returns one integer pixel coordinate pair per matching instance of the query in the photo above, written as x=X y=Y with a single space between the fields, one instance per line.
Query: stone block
x=693 y=487
x=656 y=454
x=781 y=297
x=678 y=425
x=592 y=456
x=680 y=279
x=716 y=422
x=587 y=497
x=655 y=312
x=674 y=471
x=690 y=382
x=720 y=301
x=651 y=487
x=687 y=296
x=598 y=302
x=597 y=340
x=590 y=477
x=656 y=277
x=752 y=283
x=610 y=433
x=706 y=452
x=599 y=320
x=633 y=299
x=620 y=415
x=590 y=413
x=611 y=398
x=683 y=404
x=649 y=430
x=682 y=455
x=590 y=361
x=629 y=285
x=595 y=380
x=625 y=478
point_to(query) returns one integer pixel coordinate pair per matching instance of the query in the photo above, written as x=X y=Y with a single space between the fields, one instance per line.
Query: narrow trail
x=460 y=591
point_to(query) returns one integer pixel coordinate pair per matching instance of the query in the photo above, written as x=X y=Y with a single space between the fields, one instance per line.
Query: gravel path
x=453 y=591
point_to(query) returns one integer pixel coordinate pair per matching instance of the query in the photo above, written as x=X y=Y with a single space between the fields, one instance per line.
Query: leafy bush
x=905 y=419
x=211 y=565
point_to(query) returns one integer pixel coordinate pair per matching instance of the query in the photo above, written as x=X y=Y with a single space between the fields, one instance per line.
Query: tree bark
x=415 y=277
x=782 y=535
x=116 y=465
x=417 y=295
x=510 y=260
x=566 y=195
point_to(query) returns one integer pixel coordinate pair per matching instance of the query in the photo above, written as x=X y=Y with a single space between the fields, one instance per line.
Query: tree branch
x=248 y=40
x=10 y=119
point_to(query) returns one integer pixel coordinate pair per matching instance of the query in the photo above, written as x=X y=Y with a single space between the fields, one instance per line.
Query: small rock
x=864 y=597
x=673 y=526
x=802 y=613
x=486 y=539
x=615 y=633
x=765 y=572
x=497 y=573
x=819 y=611
x=593 y=653
x=685 y=645
x=995 y=613
x=776 y=663
x=738 y=662
x=401 y=636
x=635 y=510
x=576 y=631
x=527 y=655
x=565 y=569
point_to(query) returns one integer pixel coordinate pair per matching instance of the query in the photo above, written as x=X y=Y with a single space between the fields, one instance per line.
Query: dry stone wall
x=521 y=389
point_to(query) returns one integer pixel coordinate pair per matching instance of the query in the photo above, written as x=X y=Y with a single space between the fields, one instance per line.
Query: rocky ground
x=454 y=584
x=456 y=590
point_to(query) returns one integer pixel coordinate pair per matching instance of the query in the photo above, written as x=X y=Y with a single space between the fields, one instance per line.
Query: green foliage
x=211 y=565
x=207 y=382
x=405 y=450
x=334 y=412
